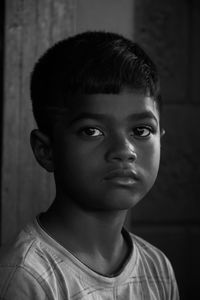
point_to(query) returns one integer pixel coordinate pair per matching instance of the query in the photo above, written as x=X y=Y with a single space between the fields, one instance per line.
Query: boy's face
x=106 y=150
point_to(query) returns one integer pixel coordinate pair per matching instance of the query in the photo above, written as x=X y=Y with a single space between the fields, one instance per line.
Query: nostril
x=132 y=157
x=123 y=156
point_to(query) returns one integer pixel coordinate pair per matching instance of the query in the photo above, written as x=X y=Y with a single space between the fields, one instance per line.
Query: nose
x=122 y=150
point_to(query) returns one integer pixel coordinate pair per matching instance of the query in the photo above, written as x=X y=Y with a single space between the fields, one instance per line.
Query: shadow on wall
x=169 y=216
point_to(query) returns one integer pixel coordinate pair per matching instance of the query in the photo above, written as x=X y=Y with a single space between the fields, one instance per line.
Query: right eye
x=90 y=131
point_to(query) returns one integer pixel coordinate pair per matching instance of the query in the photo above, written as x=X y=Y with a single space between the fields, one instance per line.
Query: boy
x=96 y=101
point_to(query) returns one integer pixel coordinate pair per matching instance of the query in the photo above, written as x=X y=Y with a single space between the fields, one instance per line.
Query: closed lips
x=122 y=174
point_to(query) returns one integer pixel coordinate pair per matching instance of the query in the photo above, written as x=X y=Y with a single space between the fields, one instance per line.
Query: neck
x=92 y=236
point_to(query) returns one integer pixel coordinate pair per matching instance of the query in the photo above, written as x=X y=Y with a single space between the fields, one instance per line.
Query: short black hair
x=92 y=62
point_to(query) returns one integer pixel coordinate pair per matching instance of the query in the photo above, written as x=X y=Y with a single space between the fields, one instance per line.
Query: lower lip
x=122 y=181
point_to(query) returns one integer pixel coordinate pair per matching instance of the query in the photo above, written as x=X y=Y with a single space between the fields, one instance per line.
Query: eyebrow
x=143 y=115
x=102 y=117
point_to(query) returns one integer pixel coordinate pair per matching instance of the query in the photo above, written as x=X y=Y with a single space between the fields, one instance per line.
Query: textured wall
x=1 y=78
x=30 y=28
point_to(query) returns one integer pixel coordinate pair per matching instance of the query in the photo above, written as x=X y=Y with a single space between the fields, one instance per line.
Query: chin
x=108 y=200
x=119 y=201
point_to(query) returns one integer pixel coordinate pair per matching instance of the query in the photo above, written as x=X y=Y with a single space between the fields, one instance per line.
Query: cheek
x=150 y=157
x=76 y=162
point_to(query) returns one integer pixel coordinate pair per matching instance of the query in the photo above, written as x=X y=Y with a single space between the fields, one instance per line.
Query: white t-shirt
x=37 y=267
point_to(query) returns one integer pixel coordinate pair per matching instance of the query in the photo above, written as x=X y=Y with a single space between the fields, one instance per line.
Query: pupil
x=142 y=131
x=90 y=131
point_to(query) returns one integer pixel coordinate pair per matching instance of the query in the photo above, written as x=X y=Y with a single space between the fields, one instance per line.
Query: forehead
x=118 y=106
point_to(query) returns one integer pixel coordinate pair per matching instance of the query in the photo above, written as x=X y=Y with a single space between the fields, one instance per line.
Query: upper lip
x=122 y=173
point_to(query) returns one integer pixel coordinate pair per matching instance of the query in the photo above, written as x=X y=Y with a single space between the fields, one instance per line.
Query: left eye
x=94 y=132
x=142 y=131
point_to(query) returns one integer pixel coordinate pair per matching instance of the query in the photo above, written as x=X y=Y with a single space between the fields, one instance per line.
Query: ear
x=42 y=149
x=162 y=132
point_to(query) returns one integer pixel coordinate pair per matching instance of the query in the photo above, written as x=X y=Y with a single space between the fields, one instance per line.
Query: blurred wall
x=113 y=15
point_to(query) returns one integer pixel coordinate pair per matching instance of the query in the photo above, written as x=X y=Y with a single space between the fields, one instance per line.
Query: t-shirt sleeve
x=20 y=285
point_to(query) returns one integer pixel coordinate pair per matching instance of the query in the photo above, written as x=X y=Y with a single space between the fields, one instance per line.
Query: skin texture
x=98 y=135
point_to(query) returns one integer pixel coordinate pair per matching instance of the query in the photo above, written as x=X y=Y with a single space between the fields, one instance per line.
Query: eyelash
x=135 y=131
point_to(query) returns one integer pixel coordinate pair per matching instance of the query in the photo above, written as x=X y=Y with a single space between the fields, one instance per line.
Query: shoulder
x=152 y=258
x=23 y=250
x=15 y=253
x=155 y=269
x=21 y=264
x=145 y=248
